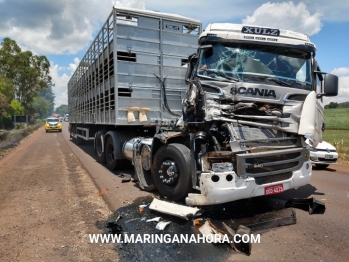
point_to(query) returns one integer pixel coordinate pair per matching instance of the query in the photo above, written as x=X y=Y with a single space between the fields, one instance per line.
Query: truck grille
x=271 y=179
x=270 y=163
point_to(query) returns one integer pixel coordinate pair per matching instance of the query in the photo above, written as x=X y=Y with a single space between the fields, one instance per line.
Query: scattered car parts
x=181 y=211
x=311 y=204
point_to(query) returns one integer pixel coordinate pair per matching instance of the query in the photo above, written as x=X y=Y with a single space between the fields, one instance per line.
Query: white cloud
x=51 y=27
x=286 y=15
x=60 y=88
x=342 y=71
x=343 y=86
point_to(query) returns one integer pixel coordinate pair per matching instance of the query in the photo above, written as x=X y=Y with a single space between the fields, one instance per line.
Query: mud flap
x=311 y=204
x=312 y=119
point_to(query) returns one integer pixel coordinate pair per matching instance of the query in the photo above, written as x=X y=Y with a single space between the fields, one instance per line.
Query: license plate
x=328 y=157
x=271 y=190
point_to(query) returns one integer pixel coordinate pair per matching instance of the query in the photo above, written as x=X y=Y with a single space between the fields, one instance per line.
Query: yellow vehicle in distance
x=53 y=124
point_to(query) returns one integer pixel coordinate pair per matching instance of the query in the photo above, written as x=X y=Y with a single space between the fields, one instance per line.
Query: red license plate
x=275 y=189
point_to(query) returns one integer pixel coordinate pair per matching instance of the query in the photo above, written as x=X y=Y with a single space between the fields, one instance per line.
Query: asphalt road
x=317 y=237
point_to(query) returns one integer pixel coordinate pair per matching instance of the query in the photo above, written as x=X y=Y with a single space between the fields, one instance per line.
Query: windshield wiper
x=221 y=75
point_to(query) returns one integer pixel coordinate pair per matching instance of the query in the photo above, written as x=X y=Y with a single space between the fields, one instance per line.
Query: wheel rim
x=168 y=172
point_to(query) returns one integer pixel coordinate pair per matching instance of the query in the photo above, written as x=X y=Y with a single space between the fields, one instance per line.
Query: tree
x=333 y=105
x=62 y=109
x=343 y=105
x=29 y=73
x=6 y=95
x=15 y=108
x=41 y=106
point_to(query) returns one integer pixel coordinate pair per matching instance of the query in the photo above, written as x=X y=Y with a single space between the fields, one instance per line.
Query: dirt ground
x=48 y=204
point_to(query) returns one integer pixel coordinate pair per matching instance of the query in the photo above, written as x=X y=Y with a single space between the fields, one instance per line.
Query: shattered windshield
x=257 y=64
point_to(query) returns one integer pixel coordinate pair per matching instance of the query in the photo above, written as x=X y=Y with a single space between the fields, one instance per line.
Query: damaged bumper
x=223 y=187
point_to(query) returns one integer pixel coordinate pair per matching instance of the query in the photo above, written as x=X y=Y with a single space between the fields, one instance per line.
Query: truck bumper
x=226 y=189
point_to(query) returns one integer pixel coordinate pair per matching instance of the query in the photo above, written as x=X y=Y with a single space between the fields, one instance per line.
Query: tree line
x=337 y=105
x=25 y=84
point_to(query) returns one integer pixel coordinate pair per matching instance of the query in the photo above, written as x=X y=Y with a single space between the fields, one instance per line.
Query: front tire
x=171 y=171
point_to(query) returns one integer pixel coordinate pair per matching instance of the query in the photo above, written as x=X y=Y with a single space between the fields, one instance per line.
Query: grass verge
x=11 y=138
x=340 y=140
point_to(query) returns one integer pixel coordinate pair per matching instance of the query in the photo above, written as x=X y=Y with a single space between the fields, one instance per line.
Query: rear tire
x=112 y=163
x=171 y=171
x=98 y=150
x=320 y=166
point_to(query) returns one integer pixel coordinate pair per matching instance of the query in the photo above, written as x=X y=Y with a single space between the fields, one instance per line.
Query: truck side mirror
x=330 y=85
x=190 y=67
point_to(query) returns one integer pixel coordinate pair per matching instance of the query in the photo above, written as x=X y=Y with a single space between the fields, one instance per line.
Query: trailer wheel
x=98 y=148
x=171 y=171
x=112 y=163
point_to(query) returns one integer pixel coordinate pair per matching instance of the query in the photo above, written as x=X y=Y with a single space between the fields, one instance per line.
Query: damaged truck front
x=223 y=124
x=254 y=95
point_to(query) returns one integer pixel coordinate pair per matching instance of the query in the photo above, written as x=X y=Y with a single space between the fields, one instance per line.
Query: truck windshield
x=259 y=64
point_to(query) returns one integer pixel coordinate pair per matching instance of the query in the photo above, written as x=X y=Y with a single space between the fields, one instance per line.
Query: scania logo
x=260 y=31
x=252 y=91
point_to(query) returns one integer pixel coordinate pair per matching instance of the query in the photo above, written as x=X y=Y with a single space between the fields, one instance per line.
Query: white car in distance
x=323 y=155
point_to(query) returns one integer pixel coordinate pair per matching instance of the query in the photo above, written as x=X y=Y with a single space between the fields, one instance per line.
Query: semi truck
x=207 y=116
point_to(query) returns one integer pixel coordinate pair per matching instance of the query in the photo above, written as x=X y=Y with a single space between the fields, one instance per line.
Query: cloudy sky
x=63 y=30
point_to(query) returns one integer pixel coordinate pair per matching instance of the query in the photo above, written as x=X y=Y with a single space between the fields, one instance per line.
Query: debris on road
x=235 y=238
x=311 y=205
x=211 y=232
x=181 y=211
x=141 y=208
x=126 y=178
x=197 y=221
x=155 y=219
x=273 y=219
x=161 y=225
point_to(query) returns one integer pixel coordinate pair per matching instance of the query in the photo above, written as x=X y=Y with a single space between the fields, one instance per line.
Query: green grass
x=337 y=118
x=340 y=140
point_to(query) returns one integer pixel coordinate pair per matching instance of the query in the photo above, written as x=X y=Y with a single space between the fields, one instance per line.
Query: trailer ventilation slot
x=126 y=19
x=126 y=56
x=124 y=92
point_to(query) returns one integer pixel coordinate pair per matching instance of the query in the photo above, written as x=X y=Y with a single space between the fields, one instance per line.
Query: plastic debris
x=127 y=178
x=155 y=219
x=197 y=221
x=311 y=204
x=239 y=245
x=181 y=211
x=211 y=232
x=161 y=225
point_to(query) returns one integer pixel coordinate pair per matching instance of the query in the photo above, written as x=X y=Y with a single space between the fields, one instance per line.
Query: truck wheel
x=112 y=163
x=171 y=171
x=98 y=148
x=321 y=166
